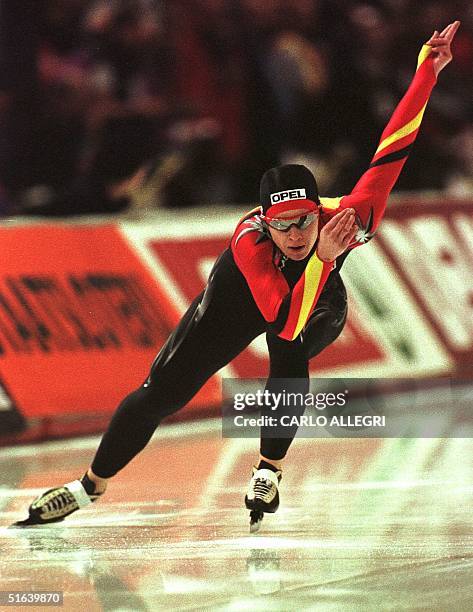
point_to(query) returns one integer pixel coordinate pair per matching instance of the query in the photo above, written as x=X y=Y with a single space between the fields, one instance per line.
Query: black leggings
x=219 y=324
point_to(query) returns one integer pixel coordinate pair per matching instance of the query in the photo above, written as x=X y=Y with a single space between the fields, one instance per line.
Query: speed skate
x=262 y=495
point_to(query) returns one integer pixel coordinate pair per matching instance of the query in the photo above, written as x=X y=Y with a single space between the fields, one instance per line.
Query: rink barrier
x=11 y=420
x=85 y=305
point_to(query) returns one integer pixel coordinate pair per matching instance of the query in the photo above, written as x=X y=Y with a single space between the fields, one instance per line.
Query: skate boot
x=262 y=495
x=54 y=505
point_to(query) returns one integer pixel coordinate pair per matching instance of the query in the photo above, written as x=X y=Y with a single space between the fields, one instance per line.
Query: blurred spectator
x=19 y=92
x=460 y=180
x=106 y=104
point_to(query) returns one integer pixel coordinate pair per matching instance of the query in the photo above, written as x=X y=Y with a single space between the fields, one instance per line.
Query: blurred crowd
x=107 y=105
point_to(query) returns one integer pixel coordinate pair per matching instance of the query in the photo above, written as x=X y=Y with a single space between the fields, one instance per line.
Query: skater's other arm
x=370 y=194
x=283 y=308
x=286 y=310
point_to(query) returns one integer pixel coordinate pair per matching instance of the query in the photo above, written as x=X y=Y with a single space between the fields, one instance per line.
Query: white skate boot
x=262 y=495
x=55 y=504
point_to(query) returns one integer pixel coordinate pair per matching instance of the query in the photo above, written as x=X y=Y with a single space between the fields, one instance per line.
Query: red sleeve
x=284 y=309
x=370 y=194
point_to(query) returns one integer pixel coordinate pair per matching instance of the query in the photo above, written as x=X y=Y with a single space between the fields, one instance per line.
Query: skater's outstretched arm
x=370 y=194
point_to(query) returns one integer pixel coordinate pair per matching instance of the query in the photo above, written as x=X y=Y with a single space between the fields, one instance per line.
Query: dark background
x=202 y=96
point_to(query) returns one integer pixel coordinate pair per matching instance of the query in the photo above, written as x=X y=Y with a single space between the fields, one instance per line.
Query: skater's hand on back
x=336 y=235
x=441 y=46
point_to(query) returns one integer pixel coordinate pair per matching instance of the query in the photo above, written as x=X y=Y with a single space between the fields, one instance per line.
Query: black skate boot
x=262 y=495
x=55 y=504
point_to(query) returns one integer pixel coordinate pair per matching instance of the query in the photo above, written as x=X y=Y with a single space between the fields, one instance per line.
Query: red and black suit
x=253 y=289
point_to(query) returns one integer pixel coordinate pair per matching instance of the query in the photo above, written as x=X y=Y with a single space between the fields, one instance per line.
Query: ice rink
x=363 y=525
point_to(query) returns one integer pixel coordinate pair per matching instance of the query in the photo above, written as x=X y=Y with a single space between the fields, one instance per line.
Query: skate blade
x=29 y=522
x=21 y=524
x=256 y=518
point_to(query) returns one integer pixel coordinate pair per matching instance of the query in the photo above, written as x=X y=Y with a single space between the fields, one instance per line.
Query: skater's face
x=296 y=242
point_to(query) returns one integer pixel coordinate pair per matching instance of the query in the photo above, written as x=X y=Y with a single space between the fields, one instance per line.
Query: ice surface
x=363 y=525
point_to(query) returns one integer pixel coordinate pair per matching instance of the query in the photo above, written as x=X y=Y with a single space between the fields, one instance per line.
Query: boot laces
x=56 y=503
x=60 y=501
x=264 y=489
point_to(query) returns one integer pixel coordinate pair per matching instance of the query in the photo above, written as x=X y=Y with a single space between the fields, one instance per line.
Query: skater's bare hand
x=441 y=46
x=336 y=235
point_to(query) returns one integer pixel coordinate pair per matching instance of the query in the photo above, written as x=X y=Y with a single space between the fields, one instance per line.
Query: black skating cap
x=287 y=184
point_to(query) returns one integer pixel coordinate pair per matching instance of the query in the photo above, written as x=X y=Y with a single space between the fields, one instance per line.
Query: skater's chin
x=297 y=252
